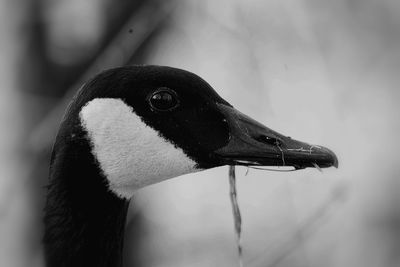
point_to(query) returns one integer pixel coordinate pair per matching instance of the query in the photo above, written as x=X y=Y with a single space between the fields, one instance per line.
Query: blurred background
x=325 y=72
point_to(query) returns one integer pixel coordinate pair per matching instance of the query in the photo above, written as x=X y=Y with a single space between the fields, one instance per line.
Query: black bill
x=253 y=144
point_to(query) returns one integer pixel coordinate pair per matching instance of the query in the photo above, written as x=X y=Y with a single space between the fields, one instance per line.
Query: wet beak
x=253 y=144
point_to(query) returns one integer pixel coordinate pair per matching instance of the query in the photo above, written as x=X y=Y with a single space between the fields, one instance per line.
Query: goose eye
x=163 y=99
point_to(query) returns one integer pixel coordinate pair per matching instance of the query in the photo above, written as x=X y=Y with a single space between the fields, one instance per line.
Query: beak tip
x=334 y=159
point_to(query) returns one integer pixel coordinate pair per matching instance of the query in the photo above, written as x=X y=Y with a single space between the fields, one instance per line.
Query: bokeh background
x=326 y=72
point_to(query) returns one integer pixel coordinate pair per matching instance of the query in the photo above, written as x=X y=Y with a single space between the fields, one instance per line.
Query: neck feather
x=84 y=220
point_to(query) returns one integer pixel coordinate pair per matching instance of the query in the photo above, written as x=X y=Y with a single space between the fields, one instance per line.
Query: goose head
x=146 y=124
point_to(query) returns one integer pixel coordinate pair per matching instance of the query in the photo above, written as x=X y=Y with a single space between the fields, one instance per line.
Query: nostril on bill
x=268 y=140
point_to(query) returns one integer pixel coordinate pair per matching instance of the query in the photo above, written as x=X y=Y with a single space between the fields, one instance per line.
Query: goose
x=133 y=126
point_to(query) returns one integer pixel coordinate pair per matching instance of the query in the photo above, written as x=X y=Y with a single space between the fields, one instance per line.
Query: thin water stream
x=236 y=212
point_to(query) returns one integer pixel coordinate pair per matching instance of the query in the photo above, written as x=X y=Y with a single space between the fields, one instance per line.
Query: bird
x=133 y=126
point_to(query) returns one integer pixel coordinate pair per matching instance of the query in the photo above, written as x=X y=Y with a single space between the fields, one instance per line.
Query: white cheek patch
x=131 y=154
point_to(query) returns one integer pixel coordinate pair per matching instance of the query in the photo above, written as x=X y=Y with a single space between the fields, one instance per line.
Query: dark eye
x=163 y=99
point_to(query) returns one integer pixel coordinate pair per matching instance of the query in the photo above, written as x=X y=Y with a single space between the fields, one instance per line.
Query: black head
x=187 y=113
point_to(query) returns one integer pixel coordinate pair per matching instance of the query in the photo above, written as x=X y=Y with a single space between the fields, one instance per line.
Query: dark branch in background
x=139 y=27
x=130 y=26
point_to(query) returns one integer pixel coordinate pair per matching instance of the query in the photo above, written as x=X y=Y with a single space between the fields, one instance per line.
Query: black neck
x=84 y=221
